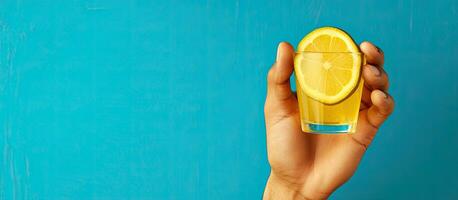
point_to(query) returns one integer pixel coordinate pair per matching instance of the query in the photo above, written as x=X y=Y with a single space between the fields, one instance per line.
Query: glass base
x=327 y=128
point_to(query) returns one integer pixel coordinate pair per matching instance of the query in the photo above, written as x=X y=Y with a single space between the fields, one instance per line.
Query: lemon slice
x=327 y=65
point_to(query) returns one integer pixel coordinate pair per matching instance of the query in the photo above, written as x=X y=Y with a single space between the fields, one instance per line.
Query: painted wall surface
x=108 y=99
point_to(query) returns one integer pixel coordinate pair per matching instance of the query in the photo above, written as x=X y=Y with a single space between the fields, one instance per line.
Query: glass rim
x=328 y=52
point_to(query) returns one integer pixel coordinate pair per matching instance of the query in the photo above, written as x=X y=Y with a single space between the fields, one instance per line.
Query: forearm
x=276 y=189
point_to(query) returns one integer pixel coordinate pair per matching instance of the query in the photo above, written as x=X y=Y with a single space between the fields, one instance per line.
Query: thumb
x=278 y=85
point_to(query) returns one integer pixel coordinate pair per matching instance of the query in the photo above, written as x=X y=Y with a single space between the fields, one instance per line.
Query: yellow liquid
x=336 y=118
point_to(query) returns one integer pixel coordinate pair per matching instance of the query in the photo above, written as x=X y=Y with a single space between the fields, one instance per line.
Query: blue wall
x=103 y=99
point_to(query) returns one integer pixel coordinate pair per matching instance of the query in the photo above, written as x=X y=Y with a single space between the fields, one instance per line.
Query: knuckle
x=392 y=104
x=271 y=74
x=383 y=82
x=380 y=82
x=266 y=106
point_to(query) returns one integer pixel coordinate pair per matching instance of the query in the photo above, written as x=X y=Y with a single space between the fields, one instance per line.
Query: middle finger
x=375 y=77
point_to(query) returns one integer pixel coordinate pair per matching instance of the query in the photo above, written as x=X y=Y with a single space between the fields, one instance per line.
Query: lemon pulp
x=327 y=65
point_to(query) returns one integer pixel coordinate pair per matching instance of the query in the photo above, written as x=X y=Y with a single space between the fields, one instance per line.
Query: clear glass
x=324 y=118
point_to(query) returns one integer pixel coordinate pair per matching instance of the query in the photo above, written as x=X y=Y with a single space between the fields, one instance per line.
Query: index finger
x=374 y=55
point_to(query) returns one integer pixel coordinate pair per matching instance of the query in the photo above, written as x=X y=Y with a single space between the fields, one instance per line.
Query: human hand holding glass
x=314 y=165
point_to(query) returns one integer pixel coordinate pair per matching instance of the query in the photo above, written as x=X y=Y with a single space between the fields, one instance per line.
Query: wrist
x=277 y=188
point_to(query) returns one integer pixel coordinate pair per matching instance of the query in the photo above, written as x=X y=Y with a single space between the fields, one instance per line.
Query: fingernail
x=379 y=50
x=385 y=95
x=278 y=52
x=374 y=70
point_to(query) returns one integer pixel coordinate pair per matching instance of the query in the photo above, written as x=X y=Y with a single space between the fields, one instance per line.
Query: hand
x=312 y=166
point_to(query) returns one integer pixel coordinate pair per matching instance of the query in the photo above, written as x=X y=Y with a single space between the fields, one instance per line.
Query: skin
x=312 y=166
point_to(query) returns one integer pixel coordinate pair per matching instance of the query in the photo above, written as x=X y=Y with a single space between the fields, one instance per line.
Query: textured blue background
x=104 y=99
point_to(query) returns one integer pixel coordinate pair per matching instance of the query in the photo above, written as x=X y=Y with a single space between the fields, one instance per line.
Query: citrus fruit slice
x=327 y=65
